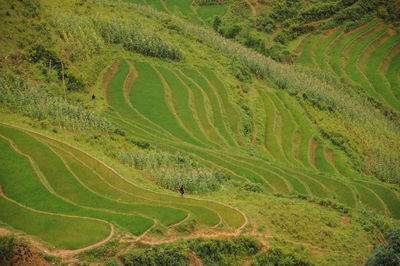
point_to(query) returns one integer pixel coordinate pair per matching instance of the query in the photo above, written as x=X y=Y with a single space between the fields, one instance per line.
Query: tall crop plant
x=36 y=103
x=88 y=35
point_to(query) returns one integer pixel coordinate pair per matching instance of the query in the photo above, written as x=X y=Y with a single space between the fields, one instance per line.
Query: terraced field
x=185 y=8
x=191 y=111
x=49 y=185
x=367 y=57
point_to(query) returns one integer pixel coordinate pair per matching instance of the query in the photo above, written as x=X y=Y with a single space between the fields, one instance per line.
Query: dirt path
x=253 y=9
x=108 y=77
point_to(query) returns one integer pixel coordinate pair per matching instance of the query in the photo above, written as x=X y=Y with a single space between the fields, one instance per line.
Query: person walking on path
x=182 y=190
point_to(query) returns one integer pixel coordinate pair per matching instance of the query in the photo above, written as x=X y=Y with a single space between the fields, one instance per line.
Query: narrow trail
x=253 y=10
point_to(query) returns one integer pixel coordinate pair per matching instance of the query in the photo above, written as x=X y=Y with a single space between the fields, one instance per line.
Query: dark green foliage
x=232 y=31
x=252 y=187
x=276 y=256
x=173 y=255
x=292 y=32
x=209 y=2
x=224 y=252
x=240 y=71
x=49 y=61
x=7 y=244
x=212 y=251
x=388 y=255
x=265 y=23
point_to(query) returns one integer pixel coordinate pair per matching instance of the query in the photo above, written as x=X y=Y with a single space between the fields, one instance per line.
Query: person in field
x=181 y=190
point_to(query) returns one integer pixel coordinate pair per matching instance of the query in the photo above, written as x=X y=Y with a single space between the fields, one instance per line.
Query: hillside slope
x=107 y=107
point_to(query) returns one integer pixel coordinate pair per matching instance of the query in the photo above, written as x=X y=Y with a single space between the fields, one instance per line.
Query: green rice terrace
x=200 y=132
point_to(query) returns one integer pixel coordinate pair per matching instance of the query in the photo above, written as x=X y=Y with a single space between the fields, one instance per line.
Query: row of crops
x=367 y=57
x=69 y=199
x=190 y=111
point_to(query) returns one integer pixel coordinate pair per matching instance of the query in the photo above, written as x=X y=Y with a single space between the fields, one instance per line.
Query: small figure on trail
x=182 y=190
x=93 y=96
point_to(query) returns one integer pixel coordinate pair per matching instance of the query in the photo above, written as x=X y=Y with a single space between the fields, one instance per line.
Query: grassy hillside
x=108 y=107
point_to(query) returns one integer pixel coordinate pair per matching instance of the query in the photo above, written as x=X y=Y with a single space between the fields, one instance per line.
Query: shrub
x=225 y=252
x=388 y=254
x=173 y=170
x=276 y=256
x=7 y=244
x=158 y=255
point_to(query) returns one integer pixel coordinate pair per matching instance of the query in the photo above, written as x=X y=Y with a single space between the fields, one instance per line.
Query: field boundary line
x=72 y=251
x=110 y=168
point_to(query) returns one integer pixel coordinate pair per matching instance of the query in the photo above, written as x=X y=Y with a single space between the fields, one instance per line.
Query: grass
x=184 y=9
x=370 y=199
x=376 y=77
x=180 y=101
x=320 y=51
x=147 y=92
x=198 y=207
x=64 y=183
x=208 y=12
x=393 y=75
x=388 y=196
x=228 y=107
x=270 y=136
x=217 y=114
x=341 y=43
x=352 y=68
x=157 y=4
x=306 y=58
x=287 y=130
x=62 y=232
x=321 y=162
x=199 y=103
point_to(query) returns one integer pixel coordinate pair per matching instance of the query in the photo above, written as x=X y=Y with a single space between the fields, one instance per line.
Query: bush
x=276 y=256
x=389 y=254
x=7 y=244
x=225 y=252
x=158 y=255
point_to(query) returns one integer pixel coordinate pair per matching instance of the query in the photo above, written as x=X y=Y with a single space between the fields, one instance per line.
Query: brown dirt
x=331 y=31
x=108 y=77
x=392 y=31
x=194 y=260
x=358 y=28
x=24 y=255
